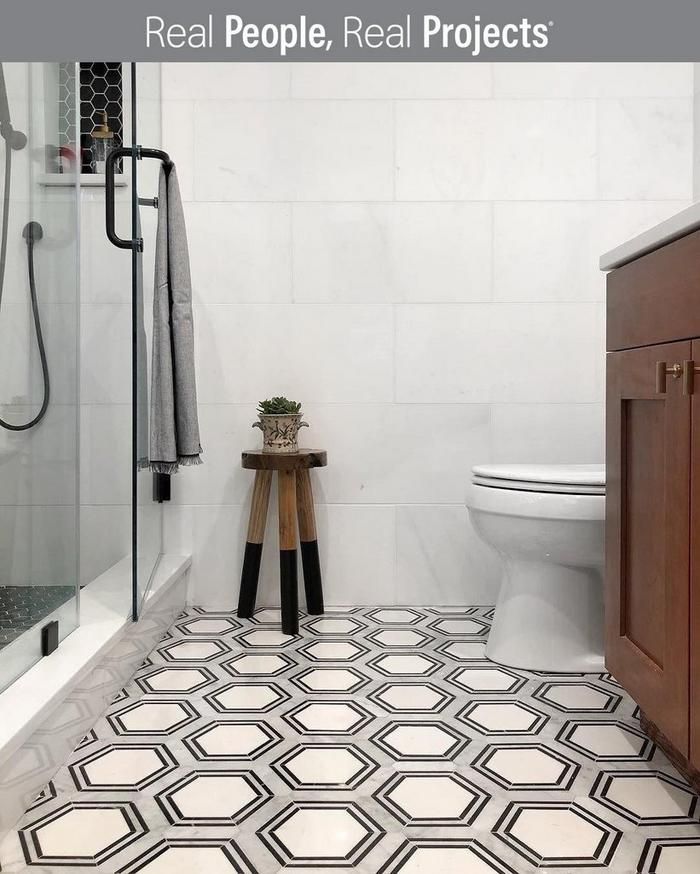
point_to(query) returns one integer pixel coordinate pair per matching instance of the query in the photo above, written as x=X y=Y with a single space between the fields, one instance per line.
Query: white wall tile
x=16 y=285
x=105 y=538
x=546 y=251
x=581 y=80
x=511 y=150
x=105 y=270
x=178 y=529
x=477 y=353
x=38 y=466
x=306 y=150
x=542 y=149
x=318 y=353
x=218 y=541
x=374 y=81
x=225 y=430
x=397 y=453
x=105 y=454
x=645 y=149
x=392 y=252
x=547 y=433
x=358 y=551
x=178 y=137
x=21 y=380
x=440 y=559
x=550 y=250
x=105 y=354
x=240 y=252
x=225 y=81
x=38 y=545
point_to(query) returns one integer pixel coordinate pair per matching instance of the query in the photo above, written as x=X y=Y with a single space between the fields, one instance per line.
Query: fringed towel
x=174 y=423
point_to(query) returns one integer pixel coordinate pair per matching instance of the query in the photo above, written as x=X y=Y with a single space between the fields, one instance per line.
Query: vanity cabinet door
x=695 y=570
x=647 y=534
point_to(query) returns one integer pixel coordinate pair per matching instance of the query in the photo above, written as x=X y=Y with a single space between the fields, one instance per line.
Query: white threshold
x=104 y=616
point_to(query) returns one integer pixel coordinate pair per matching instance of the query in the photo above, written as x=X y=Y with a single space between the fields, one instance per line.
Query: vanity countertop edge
x=673 y=228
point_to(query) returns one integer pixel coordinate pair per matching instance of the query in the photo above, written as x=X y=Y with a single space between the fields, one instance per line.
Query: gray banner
x=350 y=30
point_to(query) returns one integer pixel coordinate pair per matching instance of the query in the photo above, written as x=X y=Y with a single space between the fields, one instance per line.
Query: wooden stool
x=295 y=499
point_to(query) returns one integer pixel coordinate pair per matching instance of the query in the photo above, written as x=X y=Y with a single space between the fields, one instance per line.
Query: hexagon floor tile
x=380 y=740
x=213 y=798
x=82 y=833
x=556 y=834
x=197 y=854
x=315 y=833
x=446 y=856
x=117 y=768
x=325 y=766
x=533 y=766
x=432 y=798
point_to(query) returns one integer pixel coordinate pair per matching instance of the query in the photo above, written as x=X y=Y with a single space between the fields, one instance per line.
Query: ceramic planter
x=280 y=433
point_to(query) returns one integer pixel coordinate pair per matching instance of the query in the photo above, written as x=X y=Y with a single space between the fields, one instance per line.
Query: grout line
x=394 y=137
x=292 y=272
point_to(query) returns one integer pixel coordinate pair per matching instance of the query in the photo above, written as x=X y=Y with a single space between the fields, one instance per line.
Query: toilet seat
x=558 y=479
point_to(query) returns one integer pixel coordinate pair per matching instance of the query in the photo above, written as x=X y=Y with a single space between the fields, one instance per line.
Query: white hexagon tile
x=379 y=740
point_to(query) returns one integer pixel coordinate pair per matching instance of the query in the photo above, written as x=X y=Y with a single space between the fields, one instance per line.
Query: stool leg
x=308 y=540
x=288 y=552
x=254 y=544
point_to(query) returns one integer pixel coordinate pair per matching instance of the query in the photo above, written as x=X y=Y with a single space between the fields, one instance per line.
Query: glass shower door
x=147 y=520
x=39 y=285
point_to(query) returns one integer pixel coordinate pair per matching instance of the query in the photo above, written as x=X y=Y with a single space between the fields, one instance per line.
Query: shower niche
x=91 y=119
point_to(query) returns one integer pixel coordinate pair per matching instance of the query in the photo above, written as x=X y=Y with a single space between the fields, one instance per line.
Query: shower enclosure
x=77 y=508
x=39 y=334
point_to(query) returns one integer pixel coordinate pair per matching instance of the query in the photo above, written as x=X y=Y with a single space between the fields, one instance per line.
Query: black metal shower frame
x=161 y=484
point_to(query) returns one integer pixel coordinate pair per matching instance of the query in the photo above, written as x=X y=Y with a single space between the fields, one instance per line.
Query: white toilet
x=546 y=522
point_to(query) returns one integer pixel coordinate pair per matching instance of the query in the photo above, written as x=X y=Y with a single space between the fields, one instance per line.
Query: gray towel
x=174 y=424
x=142 y=398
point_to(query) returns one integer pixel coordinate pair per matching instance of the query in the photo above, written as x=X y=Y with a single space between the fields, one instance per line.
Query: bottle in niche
x=102 y=144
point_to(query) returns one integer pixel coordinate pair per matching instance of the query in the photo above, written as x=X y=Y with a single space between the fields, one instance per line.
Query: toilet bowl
x=546 y=522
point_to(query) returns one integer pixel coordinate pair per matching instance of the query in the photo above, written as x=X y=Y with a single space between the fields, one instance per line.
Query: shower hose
x=32 y=233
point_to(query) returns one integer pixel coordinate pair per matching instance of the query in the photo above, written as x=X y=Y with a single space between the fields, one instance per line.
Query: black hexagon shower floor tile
x=380 y=740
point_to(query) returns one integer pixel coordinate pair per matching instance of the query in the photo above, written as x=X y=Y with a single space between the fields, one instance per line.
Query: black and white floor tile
x=379 y=740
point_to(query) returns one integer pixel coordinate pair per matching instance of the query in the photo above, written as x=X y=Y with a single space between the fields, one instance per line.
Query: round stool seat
x=303 y=459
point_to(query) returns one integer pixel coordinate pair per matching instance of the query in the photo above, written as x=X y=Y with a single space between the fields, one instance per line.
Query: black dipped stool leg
x=254 y=544
x=289 y=595
x=312 y=577
x=289 y=592
x=313 y=584
x=249 y=579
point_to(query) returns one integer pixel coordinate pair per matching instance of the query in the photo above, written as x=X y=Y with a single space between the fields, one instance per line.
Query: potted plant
x=280 y=421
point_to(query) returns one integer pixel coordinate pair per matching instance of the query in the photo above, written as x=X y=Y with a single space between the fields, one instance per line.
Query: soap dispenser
x=103 y=143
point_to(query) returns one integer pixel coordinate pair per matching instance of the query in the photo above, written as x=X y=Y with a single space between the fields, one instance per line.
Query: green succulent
x=278 y=407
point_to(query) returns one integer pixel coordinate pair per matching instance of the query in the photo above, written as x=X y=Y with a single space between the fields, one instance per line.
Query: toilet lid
x=568 y=479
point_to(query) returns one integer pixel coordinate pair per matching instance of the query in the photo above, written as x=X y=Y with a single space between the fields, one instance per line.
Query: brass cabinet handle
x=662 y=371
x=689 y=371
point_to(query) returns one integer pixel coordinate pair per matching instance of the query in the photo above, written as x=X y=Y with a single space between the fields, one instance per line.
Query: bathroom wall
x=411 y=251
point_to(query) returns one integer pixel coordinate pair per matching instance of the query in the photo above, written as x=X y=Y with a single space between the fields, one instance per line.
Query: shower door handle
x=112 y=159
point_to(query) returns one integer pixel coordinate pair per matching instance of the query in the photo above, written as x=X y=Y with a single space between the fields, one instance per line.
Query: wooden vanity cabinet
x=652 y=576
